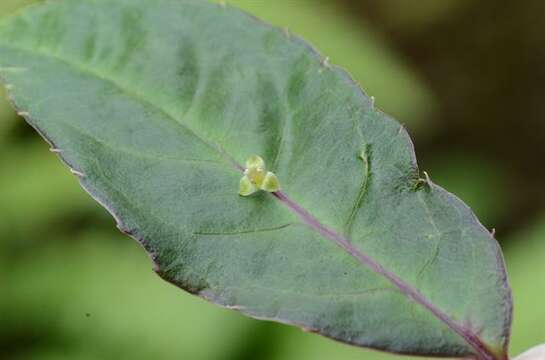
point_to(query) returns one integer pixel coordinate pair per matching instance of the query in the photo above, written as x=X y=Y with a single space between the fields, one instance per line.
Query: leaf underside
x=154 y=104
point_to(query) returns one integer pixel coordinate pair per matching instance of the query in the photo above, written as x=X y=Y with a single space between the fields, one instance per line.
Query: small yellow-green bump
x=256 y=177
x=246 y=187
x=270 y=183
x=255 y=161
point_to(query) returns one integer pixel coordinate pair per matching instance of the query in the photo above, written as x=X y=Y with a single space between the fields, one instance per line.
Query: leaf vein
x=242 y=232
x=365 y=157
x=78 y=66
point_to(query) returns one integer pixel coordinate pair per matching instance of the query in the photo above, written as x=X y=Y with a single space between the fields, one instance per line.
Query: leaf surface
x=155 y=104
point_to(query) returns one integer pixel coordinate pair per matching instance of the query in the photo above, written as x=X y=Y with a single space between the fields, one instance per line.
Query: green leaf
x=352 y=43
x=156 y=104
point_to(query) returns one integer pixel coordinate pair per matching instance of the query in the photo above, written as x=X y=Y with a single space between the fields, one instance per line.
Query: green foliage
x=527 y=267
x=62 y=290
x=154 y=105
x=57 y=191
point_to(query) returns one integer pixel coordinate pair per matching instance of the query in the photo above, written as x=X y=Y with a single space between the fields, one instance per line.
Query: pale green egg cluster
x=256 y=177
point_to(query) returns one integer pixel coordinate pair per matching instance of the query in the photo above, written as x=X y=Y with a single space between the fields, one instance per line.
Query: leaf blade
x=172 y=100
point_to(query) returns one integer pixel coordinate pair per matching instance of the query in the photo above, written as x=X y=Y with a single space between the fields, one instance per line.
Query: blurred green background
x=467 y=78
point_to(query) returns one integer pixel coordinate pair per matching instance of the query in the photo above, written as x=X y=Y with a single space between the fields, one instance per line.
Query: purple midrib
x=481 y=350
x=471 y=338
